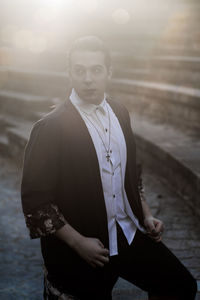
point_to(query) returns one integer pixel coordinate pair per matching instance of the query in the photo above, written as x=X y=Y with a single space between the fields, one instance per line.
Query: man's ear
x=109 y=73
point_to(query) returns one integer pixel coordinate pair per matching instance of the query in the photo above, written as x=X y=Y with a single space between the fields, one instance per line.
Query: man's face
x=89 y=75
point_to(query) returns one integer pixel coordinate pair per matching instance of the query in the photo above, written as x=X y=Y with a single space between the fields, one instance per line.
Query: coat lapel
x=84 y=153
x=130 y=171
x=118 y=110
x=82 y=143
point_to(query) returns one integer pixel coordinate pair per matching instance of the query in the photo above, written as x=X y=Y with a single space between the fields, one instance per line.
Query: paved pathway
x=20 y=272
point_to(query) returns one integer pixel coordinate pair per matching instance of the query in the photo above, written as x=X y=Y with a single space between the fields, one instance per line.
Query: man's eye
x=79 y=71
x=97 y=70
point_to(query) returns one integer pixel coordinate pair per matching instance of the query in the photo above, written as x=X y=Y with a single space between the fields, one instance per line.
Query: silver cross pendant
x=108 y=156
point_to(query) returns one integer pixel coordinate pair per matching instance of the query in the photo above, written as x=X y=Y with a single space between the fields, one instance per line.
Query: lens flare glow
x=46 y=15
x=22 y=39
x=37 y=44
x=28 y=40
x=121 y=16
x=7 y=33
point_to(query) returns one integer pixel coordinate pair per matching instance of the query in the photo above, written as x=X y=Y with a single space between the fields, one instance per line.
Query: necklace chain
x=108 y=150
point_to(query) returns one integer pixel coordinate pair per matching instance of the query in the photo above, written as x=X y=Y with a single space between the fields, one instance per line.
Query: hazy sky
x=33 y=24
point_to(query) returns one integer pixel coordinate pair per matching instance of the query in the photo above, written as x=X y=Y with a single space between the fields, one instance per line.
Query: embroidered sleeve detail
x=51 y=292
x=45 y=221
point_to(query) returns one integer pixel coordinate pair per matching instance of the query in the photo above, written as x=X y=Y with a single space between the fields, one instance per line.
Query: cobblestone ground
x=21 y=263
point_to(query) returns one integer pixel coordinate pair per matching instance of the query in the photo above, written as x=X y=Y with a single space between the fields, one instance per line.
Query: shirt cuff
x=46 y=220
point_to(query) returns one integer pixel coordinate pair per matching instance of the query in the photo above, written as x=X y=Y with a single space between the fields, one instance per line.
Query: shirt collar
x=86 y=107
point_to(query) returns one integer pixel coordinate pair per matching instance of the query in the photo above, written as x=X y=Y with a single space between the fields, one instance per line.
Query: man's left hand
x=154 y=228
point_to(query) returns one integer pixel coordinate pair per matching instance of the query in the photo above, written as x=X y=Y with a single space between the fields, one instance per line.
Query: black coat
x=61 y=167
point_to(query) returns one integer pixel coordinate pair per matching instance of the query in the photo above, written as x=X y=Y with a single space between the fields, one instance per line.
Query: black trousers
x=149 y=265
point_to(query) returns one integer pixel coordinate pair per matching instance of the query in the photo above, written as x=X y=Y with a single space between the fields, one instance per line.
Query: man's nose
x=88 y=76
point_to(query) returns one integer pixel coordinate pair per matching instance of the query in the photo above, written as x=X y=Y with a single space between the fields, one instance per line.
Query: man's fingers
x=104 y=259
x=104 y=252
x=100 y=260
x=99 y=263
x=150 y=226
x=155 y=235
x=152 y=231
x=154 y=228
x=158 y=239
x=159 y=227
x=100 y=244
x=155 y=238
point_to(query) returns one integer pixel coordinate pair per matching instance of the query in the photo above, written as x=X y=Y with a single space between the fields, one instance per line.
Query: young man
x=80 y=195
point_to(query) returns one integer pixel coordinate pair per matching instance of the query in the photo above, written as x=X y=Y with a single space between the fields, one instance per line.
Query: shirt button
x=106 y=129
x=114 y=196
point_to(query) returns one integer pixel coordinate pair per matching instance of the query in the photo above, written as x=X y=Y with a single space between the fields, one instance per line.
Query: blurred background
x=155 y=47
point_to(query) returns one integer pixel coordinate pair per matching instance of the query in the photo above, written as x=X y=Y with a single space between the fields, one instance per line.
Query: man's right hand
x=92 y=251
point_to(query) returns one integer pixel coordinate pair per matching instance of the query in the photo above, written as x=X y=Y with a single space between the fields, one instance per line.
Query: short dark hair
x=90 y=43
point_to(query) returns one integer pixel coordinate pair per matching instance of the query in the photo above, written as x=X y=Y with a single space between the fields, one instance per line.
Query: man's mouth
x=89 y=91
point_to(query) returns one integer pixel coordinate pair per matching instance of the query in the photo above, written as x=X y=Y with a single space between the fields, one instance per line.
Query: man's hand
x=154 y=228
x=92 y=251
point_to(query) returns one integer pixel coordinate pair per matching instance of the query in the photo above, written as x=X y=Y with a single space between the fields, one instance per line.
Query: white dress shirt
x=96 y=118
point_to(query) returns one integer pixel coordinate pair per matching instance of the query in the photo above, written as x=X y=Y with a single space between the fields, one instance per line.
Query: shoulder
x=50 y=122
x=47 y=129
x=118 y=107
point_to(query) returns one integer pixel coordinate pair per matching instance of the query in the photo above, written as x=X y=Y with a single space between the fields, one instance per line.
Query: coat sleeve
x=39 y=180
